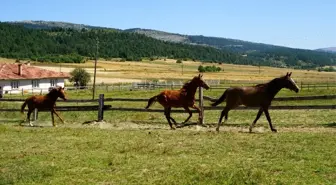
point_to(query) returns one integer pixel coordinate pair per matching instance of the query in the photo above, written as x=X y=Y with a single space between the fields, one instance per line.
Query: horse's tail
x=220 y=100
x=23 y=106
x=151 y=101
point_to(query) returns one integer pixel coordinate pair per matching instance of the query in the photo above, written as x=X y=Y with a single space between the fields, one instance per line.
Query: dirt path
x=189 y=127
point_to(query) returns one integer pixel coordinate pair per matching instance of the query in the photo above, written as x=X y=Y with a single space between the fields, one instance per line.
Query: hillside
x=217 y=50
x=70 y=45
x=55 y=24
x=276 y=56
x=329 y=49
x=165 y=36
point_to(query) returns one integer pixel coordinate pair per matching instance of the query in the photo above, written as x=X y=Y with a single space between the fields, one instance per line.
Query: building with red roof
x=21 y=78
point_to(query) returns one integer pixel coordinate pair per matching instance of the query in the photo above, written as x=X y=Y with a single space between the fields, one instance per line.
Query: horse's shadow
x=34 y=126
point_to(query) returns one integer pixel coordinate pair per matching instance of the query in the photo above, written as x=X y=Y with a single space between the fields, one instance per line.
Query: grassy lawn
x=107 y=156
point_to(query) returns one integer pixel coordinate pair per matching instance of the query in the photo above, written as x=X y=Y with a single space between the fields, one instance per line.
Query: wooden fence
x=101 y=107
x=153 y=86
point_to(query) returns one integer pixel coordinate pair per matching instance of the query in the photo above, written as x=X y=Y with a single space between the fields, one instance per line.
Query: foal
x=260 y=95
x=44 y=102
x=185 y=97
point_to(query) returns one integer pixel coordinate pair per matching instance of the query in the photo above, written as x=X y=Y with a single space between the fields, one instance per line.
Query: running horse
x=185 y=97
x=260 y=95
x=44 y=102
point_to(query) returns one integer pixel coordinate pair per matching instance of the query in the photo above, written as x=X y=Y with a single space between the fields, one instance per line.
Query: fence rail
x=152 y=86
x=101 y=107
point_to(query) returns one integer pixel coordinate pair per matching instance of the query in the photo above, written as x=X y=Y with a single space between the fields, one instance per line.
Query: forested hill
x=267 y=54
x=71 y=45
x=73 y=42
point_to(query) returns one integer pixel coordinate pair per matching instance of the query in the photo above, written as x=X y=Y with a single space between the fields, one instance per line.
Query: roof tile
x=11 y=72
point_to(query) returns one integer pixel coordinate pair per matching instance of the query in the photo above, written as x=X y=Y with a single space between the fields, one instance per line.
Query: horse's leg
x=172 y=119
x=167 y=114
x=28 y=117
x=269 y=120
x=52 y=118
x=190 y=114
x=58 y=116
x=225 y=113
x=256 y=119
x=198 y=110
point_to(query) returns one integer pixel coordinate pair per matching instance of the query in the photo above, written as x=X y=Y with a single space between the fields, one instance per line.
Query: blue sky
x=308 y=24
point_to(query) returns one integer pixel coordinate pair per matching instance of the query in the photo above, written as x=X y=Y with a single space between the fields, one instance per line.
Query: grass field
x=116 y=72
x=139 y=148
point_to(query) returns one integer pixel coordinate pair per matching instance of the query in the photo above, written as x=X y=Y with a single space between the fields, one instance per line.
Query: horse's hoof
x=250 y=130
x=274 y=130
x=217 y=129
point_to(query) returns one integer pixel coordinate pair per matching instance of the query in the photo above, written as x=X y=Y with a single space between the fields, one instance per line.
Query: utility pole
x=182 y=68
x=259 y=67
x=95 y=71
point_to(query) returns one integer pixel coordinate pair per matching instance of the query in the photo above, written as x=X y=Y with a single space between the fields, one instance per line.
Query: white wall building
x=21 y=78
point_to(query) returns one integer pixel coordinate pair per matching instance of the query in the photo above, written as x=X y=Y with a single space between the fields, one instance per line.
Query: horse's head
x=199 y=81
x=58 y=92
x=289 y=83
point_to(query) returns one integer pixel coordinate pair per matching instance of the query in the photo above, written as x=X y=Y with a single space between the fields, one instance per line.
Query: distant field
x=115 y=72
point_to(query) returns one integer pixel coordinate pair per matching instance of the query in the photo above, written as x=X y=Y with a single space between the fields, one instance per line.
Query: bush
x=80 y=77
x=208 y=69
x=327 y=69
x=179 y=61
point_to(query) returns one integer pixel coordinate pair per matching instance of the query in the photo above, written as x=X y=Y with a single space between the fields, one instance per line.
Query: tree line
x=70 y=45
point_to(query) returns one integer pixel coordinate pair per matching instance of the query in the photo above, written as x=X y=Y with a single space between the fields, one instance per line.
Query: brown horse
x=185 y=97
x=47 y=101
x=260 y=95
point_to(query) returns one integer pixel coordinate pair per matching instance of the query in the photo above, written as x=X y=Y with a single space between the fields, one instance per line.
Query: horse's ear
x=290 y=74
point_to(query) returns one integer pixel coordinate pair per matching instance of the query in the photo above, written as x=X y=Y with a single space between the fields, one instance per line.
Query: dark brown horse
x=46 y=102
x=185 y=97
x=260 y=95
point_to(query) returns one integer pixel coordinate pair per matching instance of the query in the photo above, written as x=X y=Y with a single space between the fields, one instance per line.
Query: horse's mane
x=186 y=85
x=270 y=82
x=53 y=91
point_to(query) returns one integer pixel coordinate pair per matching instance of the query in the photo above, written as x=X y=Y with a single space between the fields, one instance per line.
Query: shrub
x=80 y=77
x=208 y=69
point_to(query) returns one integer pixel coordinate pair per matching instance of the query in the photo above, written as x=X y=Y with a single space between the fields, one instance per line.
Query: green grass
x=107 y=156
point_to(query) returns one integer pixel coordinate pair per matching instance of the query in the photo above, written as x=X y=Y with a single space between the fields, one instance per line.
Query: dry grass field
x=116 y=72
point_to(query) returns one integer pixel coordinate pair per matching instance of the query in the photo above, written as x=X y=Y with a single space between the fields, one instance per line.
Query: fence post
x=101 y=107
x=35 y=114
x=22 y=91
x=201 y=114
x=301 y=85
x=327 y=84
